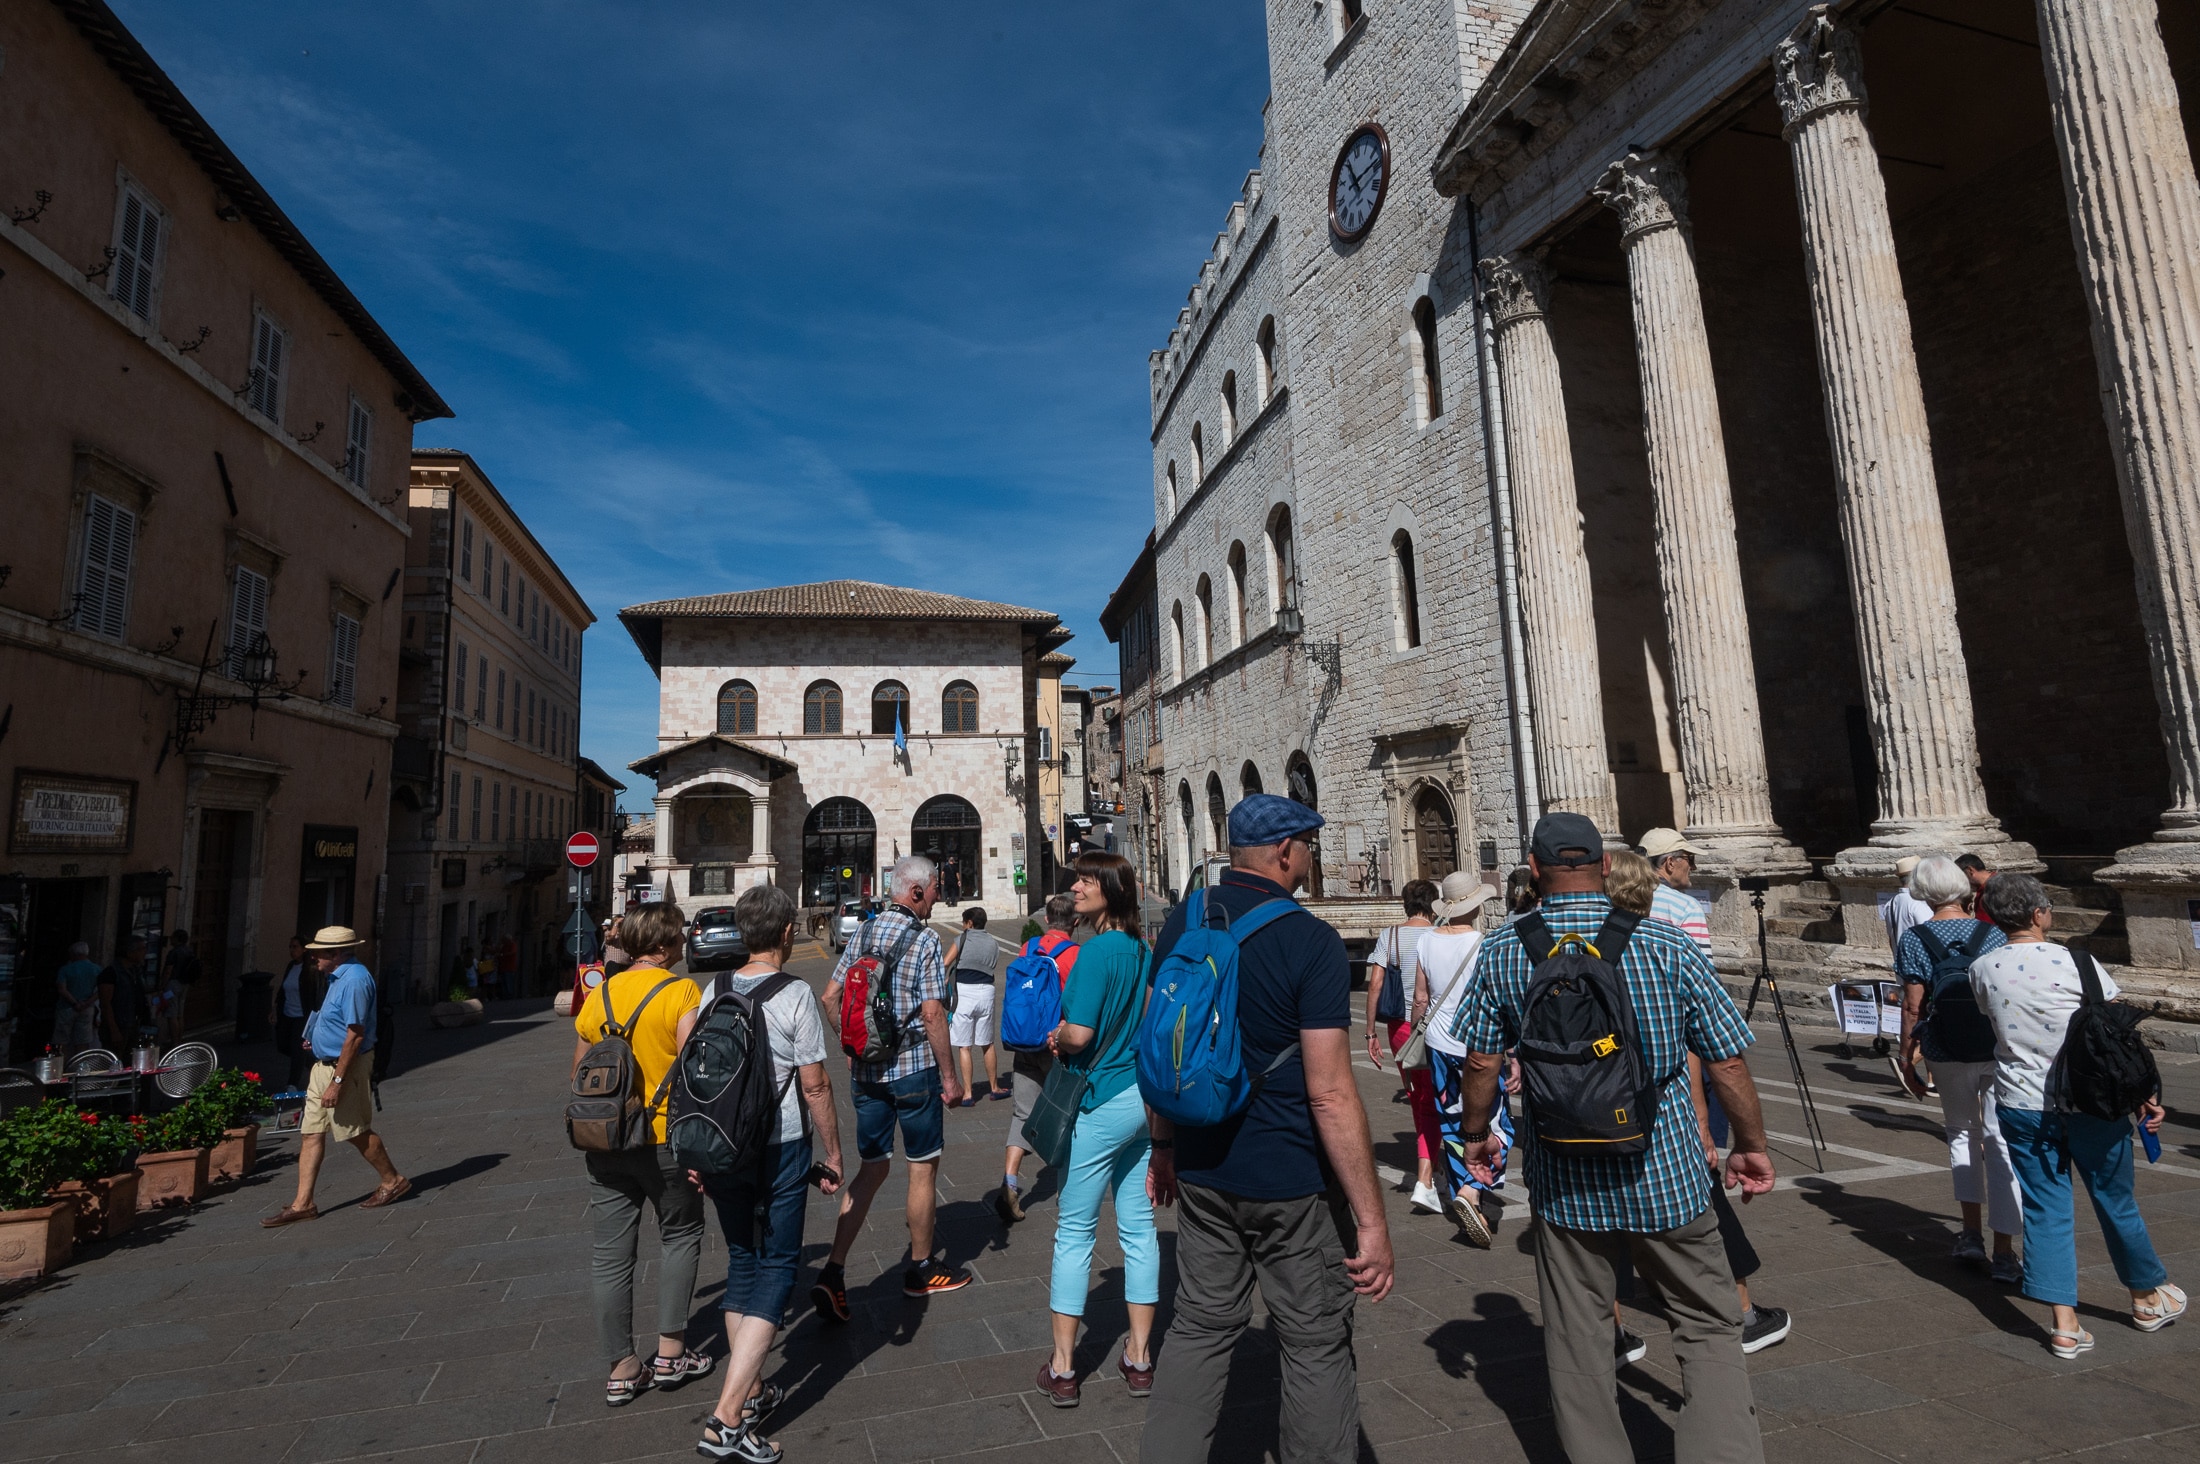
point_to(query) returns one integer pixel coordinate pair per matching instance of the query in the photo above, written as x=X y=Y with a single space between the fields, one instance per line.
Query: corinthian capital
x=1647 y=190
x=1515 y=287
x=1818 y=68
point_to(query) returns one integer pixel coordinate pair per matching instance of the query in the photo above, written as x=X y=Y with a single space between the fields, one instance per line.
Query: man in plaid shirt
x=1594 y=1210
x=910 y=1090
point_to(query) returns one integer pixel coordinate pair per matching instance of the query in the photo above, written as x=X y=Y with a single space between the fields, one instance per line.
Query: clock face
x=1357 y=183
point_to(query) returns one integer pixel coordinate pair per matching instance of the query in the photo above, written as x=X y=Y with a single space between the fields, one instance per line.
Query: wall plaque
x=59 y=813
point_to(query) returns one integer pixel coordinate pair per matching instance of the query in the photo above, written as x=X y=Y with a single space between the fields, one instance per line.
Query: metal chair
x=94 y=1060
x=19 y=1089
x=113 y=1091
x=192 y=1064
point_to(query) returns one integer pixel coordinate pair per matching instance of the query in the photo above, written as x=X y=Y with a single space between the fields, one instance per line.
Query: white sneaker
x=1425 y=1201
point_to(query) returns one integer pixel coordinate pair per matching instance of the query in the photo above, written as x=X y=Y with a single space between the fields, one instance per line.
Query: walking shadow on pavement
x=1918 y=1240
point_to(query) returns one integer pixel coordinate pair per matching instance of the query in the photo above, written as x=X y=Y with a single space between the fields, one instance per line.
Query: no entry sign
x=580 y=850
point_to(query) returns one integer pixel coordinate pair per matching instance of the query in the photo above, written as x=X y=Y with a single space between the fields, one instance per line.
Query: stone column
x=760 y=829
x=1576 y=774
x=2135 y=215
x=1699 y=566
x=660 y=859
x=1915 y=680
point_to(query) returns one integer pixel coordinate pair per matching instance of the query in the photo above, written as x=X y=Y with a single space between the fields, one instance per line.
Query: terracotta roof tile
x=848 y=599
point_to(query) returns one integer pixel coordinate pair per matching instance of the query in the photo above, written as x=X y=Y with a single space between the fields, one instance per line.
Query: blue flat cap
x=1267 y=818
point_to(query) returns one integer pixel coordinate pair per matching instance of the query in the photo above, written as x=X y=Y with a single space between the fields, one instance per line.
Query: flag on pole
x=901 y=735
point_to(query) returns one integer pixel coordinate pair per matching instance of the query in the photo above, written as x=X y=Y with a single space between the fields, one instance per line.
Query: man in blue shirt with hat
x=1284 y=1194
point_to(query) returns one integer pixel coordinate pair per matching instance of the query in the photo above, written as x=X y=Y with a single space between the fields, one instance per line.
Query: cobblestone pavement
x=455 y=1326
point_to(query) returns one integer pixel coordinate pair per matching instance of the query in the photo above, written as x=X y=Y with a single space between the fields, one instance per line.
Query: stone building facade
x=488 y=783
x=777 y=759
x=1822 y=398
x=205 y=438
x=1137 y=772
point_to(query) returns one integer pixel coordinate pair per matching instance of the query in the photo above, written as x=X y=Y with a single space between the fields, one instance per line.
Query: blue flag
x=901 y=737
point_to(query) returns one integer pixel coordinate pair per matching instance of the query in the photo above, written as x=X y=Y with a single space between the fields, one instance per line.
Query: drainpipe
x=1508 y=582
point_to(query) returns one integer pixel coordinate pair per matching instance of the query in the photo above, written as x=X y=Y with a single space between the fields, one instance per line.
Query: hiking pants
x=1978 y=1155
x=619 y=1185
x=1295 y=1250
x=1575 y=1278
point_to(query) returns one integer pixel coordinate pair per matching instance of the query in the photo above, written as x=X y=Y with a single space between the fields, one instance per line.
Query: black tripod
x=1765 y=978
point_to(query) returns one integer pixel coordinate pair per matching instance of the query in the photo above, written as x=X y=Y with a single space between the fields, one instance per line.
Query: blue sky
x=729 y=295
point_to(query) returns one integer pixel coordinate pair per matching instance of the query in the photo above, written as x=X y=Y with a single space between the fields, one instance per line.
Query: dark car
x=714 y=941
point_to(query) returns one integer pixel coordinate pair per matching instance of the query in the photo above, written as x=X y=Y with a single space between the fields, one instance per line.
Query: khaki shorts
x=353 y=1113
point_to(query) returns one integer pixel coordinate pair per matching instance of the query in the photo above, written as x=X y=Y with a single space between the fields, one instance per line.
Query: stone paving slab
x=456 y=1327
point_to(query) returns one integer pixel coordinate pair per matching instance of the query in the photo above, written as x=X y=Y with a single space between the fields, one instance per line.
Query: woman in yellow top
x=619 y=1184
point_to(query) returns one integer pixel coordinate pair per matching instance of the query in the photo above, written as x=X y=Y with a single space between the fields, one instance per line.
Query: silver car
x=848 y=918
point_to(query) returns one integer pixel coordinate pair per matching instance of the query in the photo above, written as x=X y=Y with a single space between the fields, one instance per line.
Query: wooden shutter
x=103 y=585
x=268 y=348
x=356 y=443
x=136 y=263
x=343 y=662
x=247 y=615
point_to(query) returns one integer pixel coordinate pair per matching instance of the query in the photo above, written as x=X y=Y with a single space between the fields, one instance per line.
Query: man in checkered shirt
x=911 y=1090
x=1593 y=1210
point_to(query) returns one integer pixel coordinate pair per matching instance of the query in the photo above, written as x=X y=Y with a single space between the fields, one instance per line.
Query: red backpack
x=869 y=1029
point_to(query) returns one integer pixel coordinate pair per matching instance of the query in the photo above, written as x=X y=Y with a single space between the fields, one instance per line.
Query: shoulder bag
x=1415 y=1052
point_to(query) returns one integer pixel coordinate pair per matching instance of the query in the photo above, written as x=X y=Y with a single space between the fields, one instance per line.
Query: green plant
x=232 y=1093
x=112 y=1147
x=192 y=1125
x=1033 y=929
x=39 y=1148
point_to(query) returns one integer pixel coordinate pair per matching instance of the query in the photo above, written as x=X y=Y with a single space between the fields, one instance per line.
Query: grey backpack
x=608 y=1112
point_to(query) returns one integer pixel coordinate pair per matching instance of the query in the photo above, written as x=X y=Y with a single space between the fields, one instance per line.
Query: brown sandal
x=291 y=1215
x=388 y=1194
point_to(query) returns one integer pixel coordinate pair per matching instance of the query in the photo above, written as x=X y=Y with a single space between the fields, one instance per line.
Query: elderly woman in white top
x=2028 y=989
x=1940 y=1020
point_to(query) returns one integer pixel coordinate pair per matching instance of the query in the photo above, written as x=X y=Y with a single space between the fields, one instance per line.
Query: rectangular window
x=270 y=353
x=504 y=596
x=520 y=617
x=458 y=696
x=247 y=616
x=343 y=662
x=103 y=576
x=528 y=820
x=481 y=691
x=500 y=701
x=530 y=718
x=1046 y=744
x=133 y=278
x=496 y=810
x=357 y=441
x=457 y=788
x=476 y=835
x=488 y=577
x=466 y=551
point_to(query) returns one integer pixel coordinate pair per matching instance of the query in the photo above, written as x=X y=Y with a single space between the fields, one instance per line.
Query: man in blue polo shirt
x=1283 y=1194
x=340 y=1033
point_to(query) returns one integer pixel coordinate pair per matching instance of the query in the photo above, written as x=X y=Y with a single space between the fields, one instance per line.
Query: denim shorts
x=914 y=1103
x=760 y=1215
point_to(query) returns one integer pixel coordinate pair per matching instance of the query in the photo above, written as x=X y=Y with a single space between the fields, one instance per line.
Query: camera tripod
x=1766 y=980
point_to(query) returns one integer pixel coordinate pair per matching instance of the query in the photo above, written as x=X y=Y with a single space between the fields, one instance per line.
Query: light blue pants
x=1108 y=1150
x=2043 y=1148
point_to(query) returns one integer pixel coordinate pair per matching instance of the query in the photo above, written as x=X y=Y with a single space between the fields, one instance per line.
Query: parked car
x=714 y=941
x=848 y=918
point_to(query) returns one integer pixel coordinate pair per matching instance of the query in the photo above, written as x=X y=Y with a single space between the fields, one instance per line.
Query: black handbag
x=1054 y=1116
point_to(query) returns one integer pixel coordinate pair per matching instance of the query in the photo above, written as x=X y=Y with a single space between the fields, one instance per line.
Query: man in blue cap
x=1283 y=1194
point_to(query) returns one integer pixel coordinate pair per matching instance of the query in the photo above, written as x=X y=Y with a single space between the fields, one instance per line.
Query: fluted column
x=1576 y=775
x=1915 y=682
x=1715 y=710
x=2135 y=213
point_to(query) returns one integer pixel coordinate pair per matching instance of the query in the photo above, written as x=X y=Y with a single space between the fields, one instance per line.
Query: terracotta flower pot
x=232 y=1158
x=177 y=1177
x=105 y=1208
x=458 y=1013
x=36 y=1241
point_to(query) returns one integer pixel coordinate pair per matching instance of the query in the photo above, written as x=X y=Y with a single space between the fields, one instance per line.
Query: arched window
x=1283 y=564
x=1169 y=488
x=889 y=707
x=959 y=707
x=1229 y=408
x=1237 y=595
x=821 y=709
x=1199 y=453
x=1428 y=375
x=1176 y=641
x=1248 y=780
x=1298 y=778
x=737 y=709
x=948 y=831
x=1203 y=634
x=1218 y=823
x=1405 y=593
x=1189 y=820
x=1265 y=343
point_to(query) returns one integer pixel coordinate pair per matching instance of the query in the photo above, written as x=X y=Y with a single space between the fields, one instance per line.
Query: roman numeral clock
x=1358 y=182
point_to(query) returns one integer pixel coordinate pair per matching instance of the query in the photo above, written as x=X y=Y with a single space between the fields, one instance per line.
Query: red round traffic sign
x=580 y=850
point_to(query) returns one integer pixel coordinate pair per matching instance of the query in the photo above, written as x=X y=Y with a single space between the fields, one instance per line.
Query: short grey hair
x=1938 y=881
x=2012 y=898
x=80 y=950
x=910 y=874
x=764 y=914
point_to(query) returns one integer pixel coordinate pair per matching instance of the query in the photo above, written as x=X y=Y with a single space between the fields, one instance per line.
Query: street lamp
x=254 y=666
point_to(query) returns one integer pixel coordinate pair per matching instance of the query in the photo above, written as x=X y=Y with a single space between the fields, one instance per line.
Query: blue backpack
x=1191 y=1066
x=1031 y=1007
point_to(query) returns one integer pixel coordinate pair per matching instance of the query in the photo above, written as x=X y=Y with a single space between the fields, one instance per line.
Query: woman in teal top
x=1101 y=1004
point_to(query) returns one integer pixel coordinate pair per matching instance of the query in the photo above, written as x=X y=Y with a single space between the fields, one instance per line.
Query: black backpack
x=1588 y=1085
x=2105 y=1068
x=724 y=1099
x=1953 y=1029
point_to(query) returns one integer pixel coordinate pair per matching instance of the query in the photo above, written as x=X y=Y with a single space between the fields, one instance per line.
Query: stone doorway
x=1435 y=836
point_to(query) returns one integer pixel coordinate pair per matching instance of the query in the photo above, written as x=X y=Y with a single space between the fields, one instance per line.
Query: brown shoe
x=1139 y=1378
x=388 y=1194
x=291 y=1215
x=1061 y=1392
